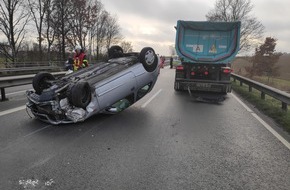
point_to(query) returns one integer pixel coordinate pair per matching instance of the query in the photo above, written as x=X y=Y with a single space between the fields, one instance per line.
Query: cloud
x=275 y=17
x=163 y=10
x=151 y=22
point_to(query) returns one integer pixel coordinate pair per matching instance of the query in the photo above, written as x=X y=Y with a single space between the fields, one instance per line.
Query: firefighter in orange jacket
x=80 y=60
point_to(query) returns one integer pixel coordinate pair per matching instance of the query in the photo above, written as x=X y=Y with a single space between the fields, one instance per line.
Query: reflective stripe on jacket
x=79 y=60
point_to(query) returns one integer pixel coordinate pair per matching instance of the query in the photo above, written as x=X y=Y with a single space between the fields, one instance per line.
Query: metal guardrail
x=264 y=89
x=32 y=64
x=284 y=97
x=21 y=68
x=11 y=81
x=26 y=71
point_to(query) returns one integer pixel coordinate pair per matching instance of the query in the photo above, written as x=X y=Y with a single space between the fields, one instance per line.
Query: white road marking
x=12 y=110
x=18 y=92
x=279 y=137
x=16 y=142
x=148 y=101
x=36 y=131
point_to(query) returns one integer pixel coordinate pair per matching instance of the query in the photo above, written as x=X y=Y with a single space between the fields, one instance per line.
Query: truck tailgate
x=207 y=42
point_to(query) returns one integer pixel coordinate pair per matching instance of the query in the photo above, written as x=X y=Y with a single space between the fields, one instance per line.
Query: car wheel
x=41 y=81
x=115 y=52
x=81 y=94
x=149 y=59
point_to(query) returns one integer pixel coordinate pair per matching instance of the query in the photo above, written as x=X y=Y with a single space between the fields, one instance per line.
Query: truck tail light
x=179 y=68
x=227 y=70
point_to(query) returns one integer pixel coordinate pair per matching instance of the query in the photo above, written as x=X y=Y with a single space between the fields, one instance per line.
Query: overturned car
x=107 y=87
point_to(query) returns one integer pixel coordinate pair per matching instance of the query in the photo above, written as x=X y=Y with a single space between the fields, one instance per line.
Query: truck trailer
x=206 y=50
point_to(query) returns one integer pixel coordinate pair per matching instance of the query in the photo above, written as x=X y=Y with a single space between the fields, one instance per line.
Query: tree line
x=264 y=61
x=55 y=27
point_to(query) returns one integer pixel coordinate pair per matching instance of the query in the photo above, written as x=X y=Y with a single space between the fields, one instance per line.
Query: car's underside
x=72 y=98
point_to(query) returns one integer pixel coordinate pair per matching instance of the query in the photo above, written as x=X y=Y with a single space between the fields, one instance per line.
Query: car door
x=142 y=76
x=116 y=88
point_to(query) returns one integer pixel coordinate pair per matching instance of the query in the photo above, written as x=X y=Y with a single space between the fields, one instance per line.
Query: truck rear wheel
x=176 y=86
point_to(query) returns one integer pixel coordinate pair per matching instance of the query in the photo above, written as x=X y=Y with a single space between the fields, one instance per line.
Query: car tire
x=149 y=59
x=115 y=52
x=40 y=81
x=81 y=94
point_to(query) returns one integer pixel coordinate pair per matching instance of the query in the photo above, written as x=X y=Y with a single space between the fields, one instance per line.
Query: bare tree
x=60 y=24
x=112 y=32
x=79 y=22
x=62 y=10
x=94 y=9
x=49 y=27
x=13 y=20
x=126 y=46
x=38 y=10
x=239 y=10
x=99 y=32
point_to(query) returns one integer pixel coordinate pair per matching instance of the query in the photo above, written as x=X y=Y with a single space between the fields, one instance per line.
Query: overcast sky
x=151 y=22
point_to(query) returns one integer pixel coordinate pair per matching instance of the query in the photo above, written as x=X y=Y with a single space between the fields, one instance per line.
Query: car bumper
x=51 y=111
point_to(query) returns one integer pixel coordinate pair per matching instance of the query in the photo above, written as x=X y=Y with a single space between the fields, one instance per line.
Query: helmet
x=78 y=47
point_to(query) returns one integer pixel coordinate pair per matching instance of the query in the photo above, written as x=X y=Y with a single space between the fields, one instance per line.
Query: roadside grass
x=274 y=82
x=270 y=106
x=175 y=63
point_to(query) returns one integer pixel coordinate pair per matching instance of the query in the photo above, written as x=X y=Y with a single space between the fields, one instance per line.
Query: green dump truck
x=205 y=50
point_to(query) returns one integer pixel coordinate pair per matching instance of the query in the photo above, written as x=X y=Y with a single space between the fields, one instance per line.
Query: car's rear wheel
x=115 y=52
x=80 y=94
x=41 y=81
x=149 y=59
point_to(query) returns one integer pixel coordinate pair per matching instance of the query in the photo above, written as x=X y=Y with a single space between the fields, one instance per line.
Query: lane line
x=36 y=131
x=21 y=139
x=12 y=110
x=268 y=127
x=18 y=92
x=148 y=101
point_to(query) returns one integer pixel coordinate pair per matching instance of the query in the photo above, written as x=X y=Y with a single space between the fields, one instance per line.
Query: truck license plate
x=203 y=85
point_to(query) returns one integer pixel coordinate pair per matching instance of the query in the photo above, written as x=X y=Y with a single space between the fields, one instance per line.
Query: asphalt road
x=165 y=141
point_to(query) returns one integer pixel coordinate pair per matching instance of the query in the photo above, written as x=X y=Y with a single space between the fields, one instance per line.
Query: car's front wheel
x=41 y=81
x=149 y=59
x=80 y=94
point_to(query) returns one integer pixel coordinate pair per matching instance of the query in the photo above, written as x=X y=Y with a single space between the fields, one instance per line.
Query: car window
x=119 y=106
x=143 y=91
